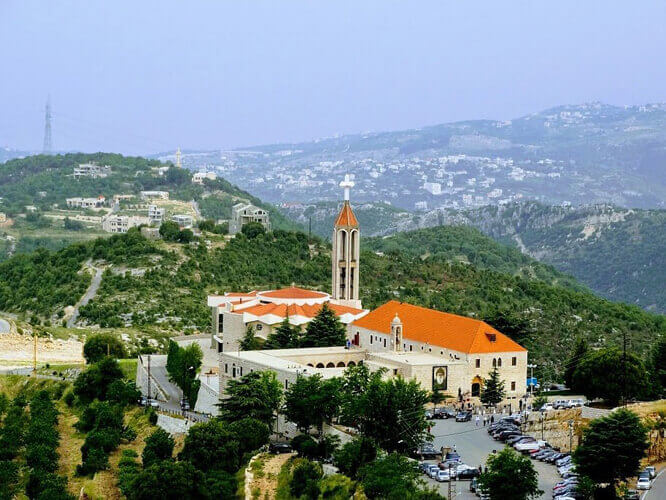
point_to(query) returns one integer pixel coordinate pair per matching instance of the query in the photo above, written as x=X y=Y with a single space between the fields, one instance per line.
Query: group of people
x=487 y=419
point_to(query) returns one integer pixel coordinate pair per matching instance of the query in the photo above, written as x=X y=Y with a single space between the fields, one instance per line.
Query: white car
x=432 y=471
x=575 y=403
x=529 y=445
x=443 y=475
x=643 y=483
x=547 y=407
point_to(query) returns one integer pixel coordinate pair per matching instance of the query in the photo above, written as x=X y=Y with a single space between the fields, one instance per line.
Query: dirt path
x=264 y=481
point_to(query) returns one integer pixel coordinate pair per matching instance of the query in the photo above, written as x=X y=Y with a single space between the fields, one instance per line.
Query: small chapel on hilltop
x=442 y=351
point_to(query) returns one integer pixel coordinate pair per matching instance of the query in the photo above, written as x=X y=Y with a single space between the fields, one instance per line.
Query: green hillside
x=165 y=286
x=466 y=245
x=45 y=182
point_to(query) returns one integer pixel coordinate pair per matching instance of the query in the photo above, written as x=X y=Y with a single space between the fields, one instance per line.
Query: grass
x=128 y=366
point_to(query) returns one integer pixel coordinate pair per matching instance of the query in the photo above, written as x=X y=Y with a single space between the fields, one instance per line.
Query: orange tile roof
x=450 y=331
x=346 y=216
x=293 y=293
x=241 y=294
x=284 y=310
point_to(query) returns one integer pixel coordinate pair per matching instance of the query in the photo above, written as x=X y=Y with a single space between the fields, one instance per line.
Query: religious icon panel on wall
x=439 y=378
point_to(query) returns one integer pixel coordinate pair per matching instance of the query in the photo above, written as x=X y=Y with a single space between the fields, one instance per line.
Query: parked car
x=429 y=415
x=631 y=495
x=142 y=401
x=444 y=475
x=464 y=416
x=563 y=461
x=427 y=451
x=467 y=472
x=644 y=483
x=518 y=438
x=453 y=456
x=153 y=403
x=279 y=448
x=652 y=471
x=527 y=446
x=560 y=404
x=433 y=471
x=575 y=403
x=184 y=404
x=547 y=407
x=423 y=466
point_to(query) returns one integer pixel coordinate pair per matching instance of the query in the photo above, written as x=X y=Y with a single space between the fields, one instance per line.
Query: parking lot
x=474 y=445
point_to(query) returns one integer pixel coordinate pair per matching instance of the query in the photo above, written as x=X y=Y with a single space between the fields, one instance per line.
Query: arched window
x=494 y=363
x=341 y=364
x=320 y=365
x=330 y=364
x=351 y=363
x=499 y=362
x=310 y=364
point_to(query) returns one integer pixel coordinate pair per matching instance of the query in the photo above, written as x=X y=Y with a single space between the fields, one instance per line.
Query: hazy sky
x=144 y=76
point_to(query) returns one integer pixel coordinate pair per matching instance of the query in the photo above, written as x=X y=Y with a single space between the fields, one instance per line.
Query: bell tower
x=345 y=255
x=396 y=333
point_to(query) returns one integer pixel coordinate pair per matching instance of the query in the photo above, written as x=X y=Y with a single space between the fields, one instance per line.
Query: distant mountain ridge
x=577 y=154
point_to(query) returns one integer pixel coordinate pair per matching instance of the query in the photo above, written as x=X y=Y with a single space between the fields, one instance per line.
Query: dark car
x=427 y=451
x=464 y=416
x=279 y=448
x=468 y=473
x=631 y=495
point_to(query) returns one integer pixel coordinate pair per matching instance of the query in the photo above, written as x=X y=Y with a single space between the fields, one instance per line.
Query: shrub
x=103 y=344
x=304 y=479
x=305 y=446
x=159 y=446
x=152 y=416
x=69 y=398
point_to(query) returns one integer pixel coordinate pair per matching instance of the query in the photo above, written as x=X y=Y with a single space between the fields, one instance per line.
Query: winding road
x=87 y=297
x=4 y=326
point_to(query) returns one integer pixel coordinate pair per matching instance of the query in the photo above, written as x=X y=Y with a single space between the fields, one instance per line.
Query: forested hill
x=617 y=252
x=467 y=245
x=33 y=193
x=165 y=285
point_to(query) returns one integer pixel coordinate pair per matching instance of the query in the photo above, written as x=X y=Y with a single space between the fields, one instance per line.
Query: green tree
x=170 y=481
x=493 y=389
x=249 y=342
x=122 y=392
x=206 y=225
x=580 y=350
x=159 y=446
x=255 y=395
x=185 y=236
x=612 y=447
x=659 y=362
x=355 y=454
x=510 y=476
x=325 y=330
x=251 y=433
x=211 y=446
x=539 y=400
x=336 y=487
x=627 y=379
x=253 y=229
x=169 y=231
x=311 y=401
x=182 y=365
x=304 y=479
x=221 y=484
x=94 y=382
x=436 y=397
x=284 y=336
x=391 y=413
x=103 y=344
x=392 y=476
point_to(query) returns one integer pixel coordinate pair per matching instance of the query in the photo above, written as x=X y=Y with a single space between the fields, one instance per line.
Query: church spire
x=346 y=251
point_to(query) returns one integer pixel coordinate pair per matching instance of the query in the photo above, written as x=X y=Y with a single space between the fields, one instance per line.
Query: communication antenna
x=178 y=159
x=48 y=141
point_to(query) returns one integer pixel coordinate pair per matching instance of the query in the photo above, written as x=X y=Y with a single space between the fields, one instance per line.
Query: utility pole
x=450 y=481
x=34 y=353
x=149 y=377
x=542 y=422
x=571 y=428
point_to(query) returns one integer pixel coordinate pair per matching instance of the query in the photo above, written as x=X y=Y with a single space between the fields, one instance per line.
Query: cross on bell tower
x=345 y=254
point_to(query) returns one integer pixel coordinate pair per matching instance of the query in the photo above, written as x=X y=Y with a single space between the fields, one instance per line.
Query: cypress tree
x=285 y=336
x=493 y=389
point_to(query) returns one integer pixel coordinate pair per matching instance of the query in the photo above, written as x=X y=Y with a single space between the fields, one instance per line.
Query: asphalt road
x=658 y=490
x=90 y=293
x=4 y=326
x=475 y=445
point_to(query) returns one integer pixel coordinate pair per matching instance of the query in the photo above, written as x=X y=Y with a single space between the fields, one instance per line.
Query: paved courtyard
x=474 y=445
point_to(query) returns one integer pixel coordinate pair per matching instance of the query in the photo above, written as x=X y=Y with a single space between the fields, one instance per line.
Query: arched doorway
x=310 y=364
x=341 y=364
x=330 y=364
x=351 y=363
x=320 y=365
x=477 y=383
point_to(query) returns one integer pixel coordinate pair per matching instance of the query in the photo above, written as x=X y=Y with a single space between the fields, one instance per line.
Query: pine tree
x=325 y=330
x=285 y=336
x=580 y=350
x=249 y=341
x=493 y=389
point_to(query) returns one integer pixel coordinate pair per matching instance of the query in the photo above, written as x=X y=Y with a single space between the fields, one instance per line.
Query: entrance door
x=476 y=390
x=357 y=339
